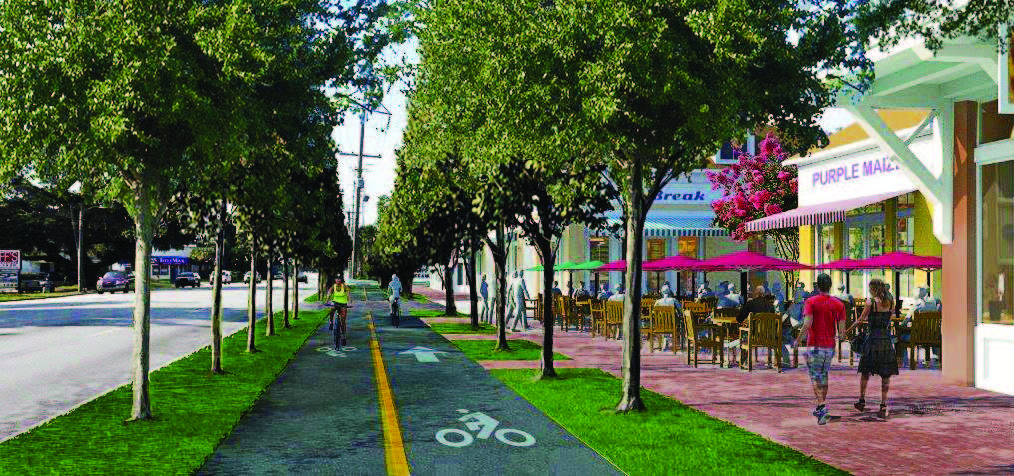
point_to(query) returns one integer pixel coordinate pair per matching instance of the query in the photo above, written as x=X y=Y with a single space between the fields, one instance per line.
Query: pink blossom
x=771 y=209
x=783 y=175
x=741 y=212
x=794 y=185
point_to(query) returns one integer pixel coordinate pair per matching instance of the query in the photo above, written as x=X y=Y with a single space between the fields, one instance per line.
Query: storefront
x=956 y=182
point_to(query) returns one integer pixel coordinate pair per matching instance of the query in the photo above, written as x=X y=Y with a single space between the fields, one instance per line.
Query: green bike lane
x=324 y=414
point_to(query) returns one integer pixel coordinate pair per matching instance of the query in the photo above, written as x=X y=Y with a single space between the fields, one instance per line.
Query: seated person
x=757 y=303
x=776 y=291
x=703 y=291
x=605 y=294
x=556 y=289
x=581 y=291
x=666 y=291
x=722 y=293
x=845 y=297
x=619 y=294
x=734 y=295
x=677 y=308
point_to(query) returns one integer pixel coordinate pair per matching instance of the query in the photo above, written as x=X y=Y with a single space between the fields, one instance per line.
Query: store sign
x=165 y=260
x=853 y=170
x=699 y=193
x=10 y=259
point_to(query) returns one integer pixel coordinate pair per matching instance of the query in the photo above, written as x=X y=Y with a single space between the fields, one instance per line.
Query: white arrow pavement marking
x=424 y=354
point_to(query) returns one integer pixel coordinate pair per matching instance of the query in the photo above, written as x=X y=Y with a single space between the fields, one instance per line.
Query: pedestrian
x=556 y=289
x=520 y=294
x=511 y=287
x=484 y=294
x=823 y=317
x=877 y=355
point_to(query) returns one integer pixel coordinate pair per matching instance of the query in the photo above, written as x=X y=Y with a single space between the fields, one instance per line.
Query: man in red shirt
x=823 y=315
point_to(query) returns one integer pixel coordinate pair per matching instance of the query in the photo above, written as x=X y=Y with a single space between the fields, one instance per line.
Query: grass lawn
x=193 y=411
x=28 y=297
x=520 y=350
x=313 y=298
x=434 y=313
x=460 y=328
x=669 y=438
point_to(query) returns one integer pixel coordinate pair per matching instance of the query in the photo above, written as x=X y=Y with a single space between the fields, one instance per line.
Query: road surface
x=56 y=354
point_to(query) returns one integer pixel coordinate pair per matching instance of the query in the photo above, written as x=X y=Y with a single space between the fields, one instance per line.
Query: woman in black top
x=877 y=354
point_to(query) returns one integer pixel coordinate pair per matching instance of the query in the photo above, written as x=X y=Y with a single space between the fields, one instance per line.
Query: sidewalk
x=934 y=428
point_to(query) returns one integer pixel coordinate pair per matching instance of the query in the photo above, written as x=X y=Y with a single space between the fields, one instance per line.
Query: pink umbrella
x=900 y=260
x=677 y=263
x=618 y=265
x=744 y=261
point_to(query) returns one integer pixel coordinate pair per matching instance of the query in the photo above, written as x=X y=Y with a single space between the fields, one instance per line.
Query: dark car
x=301 y=278
x=188 y=278
x=36 y=283
x=115 y=281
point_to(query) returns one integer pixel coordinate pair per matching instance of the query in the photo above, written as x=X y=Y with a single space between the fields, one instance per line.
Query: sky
x=383 y=136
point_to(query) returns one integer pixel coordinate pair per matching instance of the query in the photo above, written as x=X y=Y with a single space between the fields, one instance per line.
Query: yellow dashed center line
x=394 y=447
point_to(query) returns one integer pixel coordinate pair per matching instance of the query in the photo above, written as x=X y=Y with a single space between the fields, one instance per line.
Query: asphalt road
x=56 y=354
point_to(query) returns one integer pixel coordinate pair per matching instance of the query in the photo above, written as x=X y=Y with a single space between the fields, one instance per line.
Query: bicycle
x=341 y=329
x=396 y=312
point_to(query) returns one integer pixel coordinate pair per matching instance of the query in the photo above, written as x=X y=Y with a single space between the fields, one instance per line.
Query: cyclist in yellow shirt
x=338 y=299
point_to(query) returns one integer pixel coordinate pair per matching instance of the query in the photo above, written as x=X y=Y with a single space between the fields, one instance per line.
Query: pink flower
x=783 y=175
x=741 y=212
x=771 y=209
x=794 y=185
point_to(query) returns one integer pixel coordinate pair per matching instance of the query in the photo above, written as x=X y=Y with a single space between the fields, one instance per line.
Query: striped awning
x=818 y=214
x=668 y=226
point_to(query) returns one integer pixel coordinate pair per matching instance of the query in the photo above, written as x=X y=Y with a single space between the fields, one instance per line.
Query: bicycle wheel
x=338 y=333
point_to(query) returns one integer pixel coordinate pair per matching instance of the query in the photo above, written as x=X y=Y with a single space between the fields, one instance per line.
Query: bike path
x=319 y=416
x=430 y=397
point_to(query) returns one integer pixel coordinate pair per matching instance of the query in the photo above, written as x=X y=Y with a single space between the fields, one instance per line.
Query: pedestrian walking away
x=823 y=319
x=395 y=288
x=877 y=354
x=484 y=314
x=520 y=293
x=511 y=302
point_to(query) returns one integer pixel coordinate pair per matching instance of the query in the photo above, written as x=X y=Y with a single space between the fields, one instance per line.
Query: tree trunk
x=473 y=294
x=545 y=250
x=285 y=293
x=295 y=290
x=216 y=299
x=144 y=226
x=500 y=300
x=251 y=311
x=630 y=367
x=268 y=309
x=450 y=309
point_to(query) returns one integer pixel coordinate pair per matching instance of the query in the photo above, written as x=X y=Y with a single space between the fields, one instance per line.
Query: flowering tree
x=755 y=187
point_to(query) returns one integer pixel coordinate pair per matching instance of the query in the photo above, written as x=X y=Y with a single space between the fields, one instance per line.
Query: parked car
x=301 y=278
x=36 y=283
x=115 y=281
x=226 y=277
x=188 y=278
x=246 y=277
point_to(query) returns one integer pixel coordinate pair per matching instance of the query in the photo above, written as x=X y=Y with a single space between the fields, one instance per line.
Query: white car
x=226 y=277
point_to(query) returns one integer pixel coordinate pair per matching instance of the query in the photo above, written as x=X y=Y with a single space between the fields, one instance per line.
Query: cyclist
x=338 y=297
x=395 y=288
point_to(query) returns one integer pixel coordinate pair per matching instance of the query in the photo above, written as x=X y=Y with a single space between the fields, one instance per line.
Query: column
x=806 y=256
x=959 y=278
x=926 y=244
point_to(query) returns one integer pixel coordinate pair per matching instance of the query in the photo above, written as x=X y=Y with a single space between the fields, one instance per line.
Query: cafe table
x=731 y=327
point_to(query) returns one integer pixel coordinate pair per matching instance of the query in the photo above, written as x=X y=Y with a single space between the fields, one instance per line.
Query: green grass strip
x=29 y=297
x=434 y=313
x=193 y=412
x=669 y=438
x=419 y=298
x=520 y=350
x=460 y=328
x=313 y=298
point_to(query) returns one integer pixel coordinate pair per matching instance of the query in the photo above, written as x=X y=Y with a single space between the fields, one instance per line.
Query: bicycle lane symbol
x=486 y=426
x=334 y=353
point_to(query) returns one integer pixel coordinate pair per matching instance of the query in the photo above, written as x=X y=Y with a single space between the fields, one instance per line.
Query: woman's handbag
x=858 y=342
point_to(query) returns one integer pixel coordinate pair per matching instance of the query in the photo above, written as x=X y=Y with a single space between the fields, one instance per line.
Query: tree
x=652 y=90
x=891 y=21
x=755 y=188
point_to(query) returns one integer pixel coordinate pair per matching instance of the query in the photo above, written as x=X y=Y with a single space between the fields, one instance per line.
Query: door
x=994 y=334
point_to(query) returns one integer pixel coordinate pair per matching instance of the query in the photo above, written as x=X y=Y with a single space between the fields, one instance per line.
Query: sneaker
x=822 y=415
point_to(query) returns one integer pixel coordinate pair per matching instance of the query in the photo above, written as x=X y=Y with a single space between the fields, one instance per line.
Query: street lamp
x=76 y=189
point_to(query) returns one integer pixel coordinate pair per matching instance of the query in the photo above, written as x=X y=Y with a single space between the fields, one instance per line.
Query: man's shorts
x=818 y=362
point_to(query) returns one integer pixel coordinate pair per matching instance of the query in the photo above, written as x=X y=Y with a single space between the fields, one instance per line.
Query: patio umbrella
x=677 y=263
x=618 y=265
x=591 y=266
x=745 y=261
x=567 y=266
x=846 y=265
x=537 y=267
x=898 y=261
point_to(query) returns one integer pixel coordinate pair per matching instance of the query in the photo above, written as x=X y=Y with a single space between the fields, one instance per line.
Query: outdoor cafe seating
x=663 y=323
x=762 y=330
x=614 y=319
x=598 y=316
x=925 y=333
x=703 y=336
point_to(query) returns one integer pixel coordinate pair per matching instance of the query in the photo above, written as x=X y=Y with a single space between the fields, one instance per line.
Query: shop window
x=688 y=246
x=994 y=126
x=826 y=244
x=656 y=251
x=997 y=242
x=598 y=249
x=757 y=245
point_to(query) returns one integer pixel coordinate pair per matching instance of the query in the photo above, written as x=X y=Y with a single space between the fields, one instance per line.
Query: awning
x=818 y=214
x=664 y=226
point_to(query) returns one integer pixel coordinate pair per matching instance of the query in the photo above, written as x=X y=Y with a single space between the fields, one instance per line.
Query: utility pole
x=359 y=185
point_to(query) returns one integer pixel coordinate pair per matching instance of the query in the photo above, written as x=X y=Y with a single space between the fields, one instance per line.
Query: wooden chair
x=535 y=305
x=695 y=342
x=614 y=318
x=695 y=307
x=598 y=316
x=582 y=311
x=663 y=322
x=710 y=302
x=925 y=333
x=764 y=330
x=850 y=319
x=727 y=312
x=560 y=311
